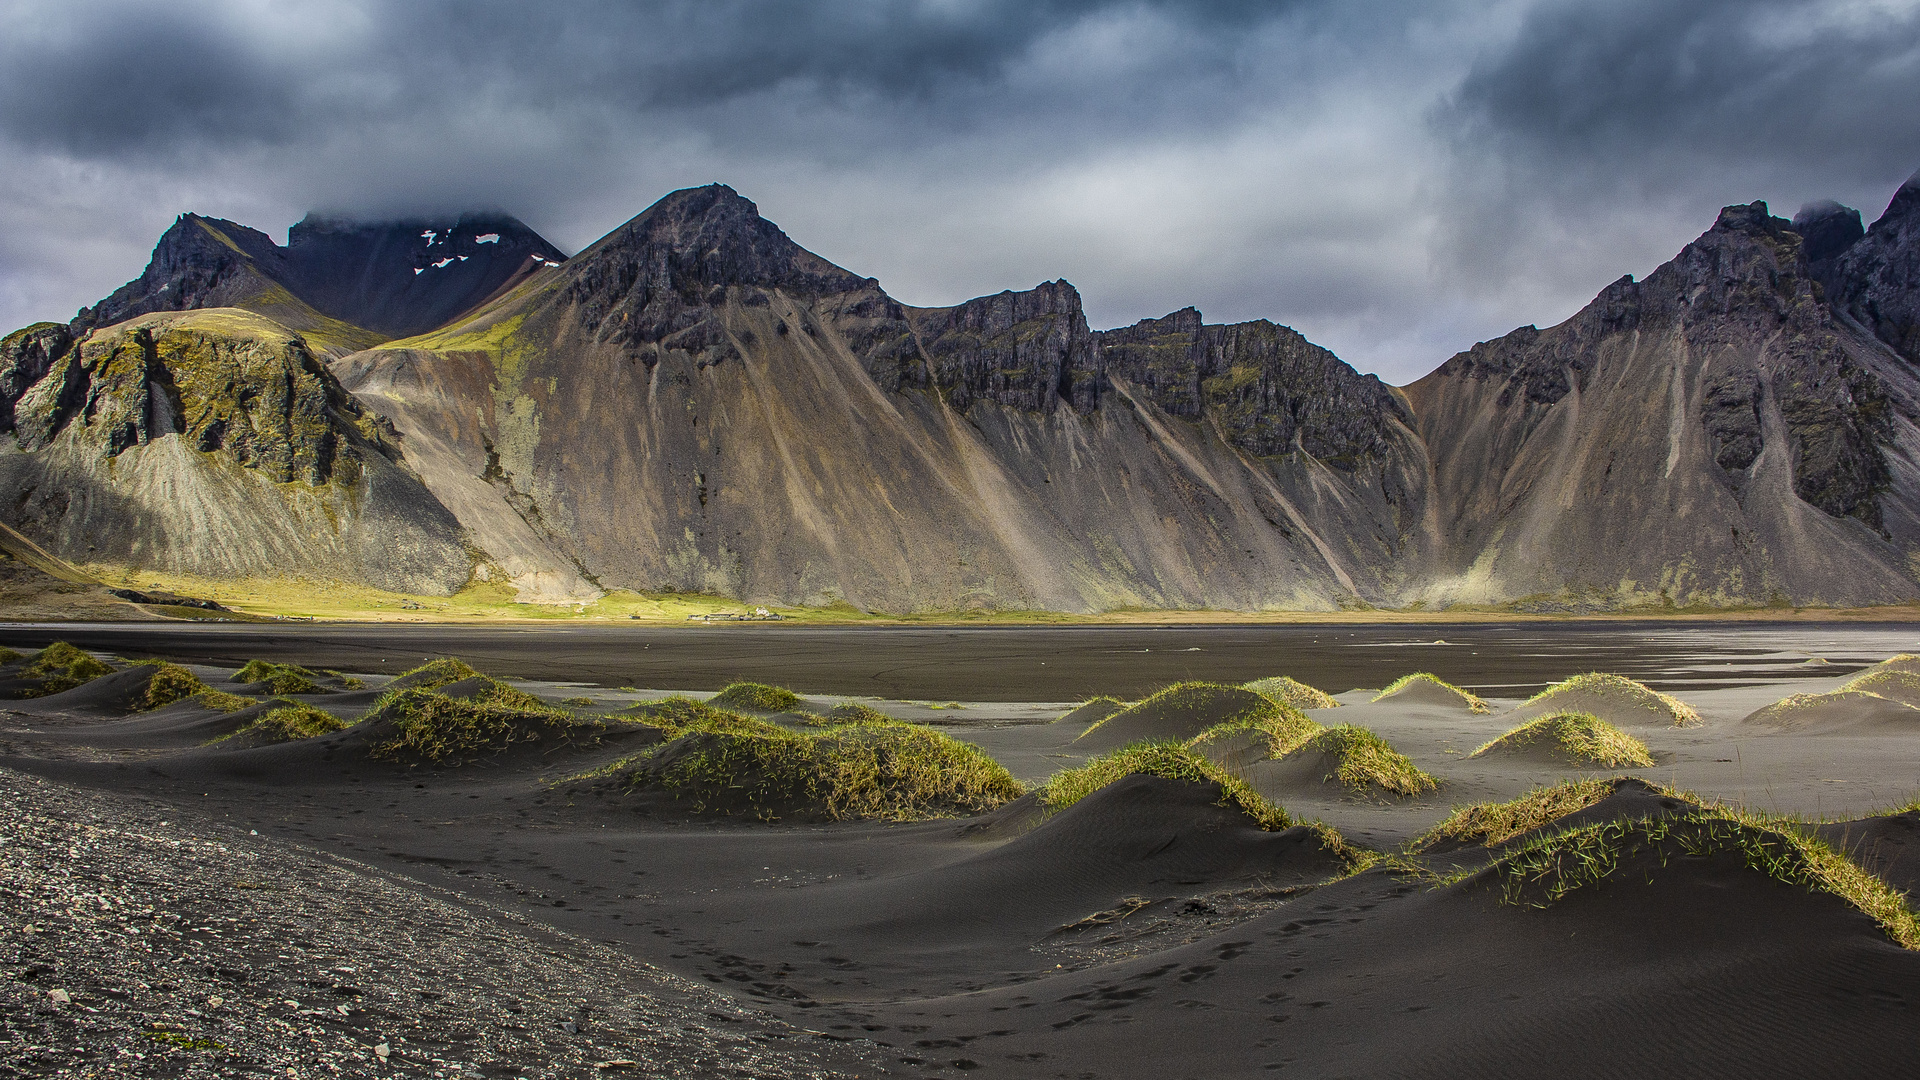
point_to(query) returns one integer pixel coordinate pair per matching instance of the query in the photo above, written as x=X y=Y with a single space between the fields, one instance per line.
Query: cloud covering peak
x=1395 y=180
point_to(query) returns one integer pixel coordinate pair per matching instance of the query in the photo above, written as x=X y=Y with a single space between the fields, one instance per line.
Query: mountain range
x=696 y=403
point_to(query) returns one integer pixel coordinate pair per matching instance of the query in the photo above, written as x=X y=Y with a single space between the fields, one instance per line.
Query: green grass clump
x=288 y=721
x=1198 y=698
x=1095 y=710
x=8 y=656
x=679 y=715
x=224 y=702
x=61 y=667
x=1580 y=737
x=348 y=682
x=1168 y=759
x=1551 y=867
x=498 y=693
x=893 y=772
x=435 y=674
x=433 y=728
x=1893 y=684
x=1286 y=729
x=758 y=696
x=1363 y=759
x=171 y=683
x=853 y=712
x=1289 y=691
x=577 y=702
x=1626 y=690
x=277 y=679
x=1471 y=700
x=1496 y=823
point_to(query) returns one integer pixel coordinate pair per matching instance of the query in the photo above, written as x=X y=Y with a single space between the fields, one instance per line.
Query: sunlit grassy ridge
x=1222 y=704
x=1169 y=759
x=1363 y=760
x=171 y=683
x=1290 y=691
x=286 y=722
x=277 y=679
x=431 y=728
x=1467 y=698
x=1578 y=737
x=753 y=695
x=721 y=762
x=434 y=674
x=1496 y=823
x=1624 y=691
x=61 y=667
x=1549 y=868
x=1285 y=729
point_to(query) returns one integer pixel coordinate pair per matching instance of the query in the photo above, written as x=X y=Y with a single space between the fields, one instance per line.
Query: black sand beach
x=1150 y=929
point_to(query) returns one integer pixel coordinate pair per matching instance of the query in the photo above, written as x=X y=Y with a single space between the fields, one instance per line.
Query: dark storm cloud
x=1397 y=179
x=1651 y=92
x=96 y=79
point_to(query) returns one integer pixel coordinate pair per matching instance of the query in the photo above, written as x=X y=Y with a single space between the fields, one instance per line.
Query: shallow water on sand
x=1034 y=663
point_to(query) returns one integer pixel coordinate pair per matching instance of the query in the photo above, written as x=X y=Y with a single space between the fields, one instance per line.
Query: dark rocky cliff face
x=406 y=277
x=1713 y=434
x=1875 y=281
x=381 y=280
x=199 y=263
x=1025 y=350
x=1743 y=283
x=1272 y=391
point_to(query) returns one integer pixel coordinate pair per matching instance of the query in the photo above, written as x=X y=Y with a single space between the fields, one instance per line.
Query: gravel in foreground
x=135 y=943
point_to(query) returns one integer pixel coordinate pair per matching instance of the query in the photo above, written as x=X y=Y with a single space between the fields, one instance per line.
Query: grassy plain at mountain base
x=296 y=598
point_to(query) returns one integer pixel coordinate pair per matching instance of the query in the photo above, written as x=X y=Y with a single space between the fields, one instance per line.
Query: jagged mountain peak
x=697 y=239
x=1827 y=228
x=1904 y=203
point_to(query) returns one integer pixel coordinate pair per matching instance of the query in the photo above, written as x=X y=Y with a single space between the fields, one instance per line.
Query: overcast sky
x=1395 y=179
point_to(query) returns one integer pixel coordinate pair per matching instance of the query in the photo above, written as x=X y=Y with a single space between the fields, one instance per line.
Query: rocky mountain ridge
x=697 y=403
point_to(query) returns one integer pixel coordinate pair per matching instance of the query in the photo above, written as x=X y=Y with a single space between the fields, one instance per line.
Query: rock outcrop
x=214 y=442
x=1712 y=435
x=697 y=403
x=1875 y=281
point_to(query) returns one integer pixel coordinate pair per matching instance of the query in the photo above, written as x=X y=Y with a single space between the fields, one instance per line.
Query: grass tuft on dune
x=1413 y=681
x=1496 y=823
x=1199 y=699
x=221 y=701
x=434 y=674
x=1290 y=691
x=1548 y=869
x=288 y=722
x=171 y=683
x=430 y=728
x=1286 y=729
x=852 y=712
x=1621 y=689
x=1577 y=737
x=1894 y=684
x=61 y=667
x=723 y=763
x=1171 y=760
x=9 y=656
x=277 y=679
x=757 y=696
x=1364 y=759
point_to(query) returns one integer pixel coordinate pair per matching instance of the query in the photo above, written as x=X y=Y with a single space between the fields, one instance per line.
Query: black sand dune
x=978 y=918
x=1146 y=931
x=120 y=692
x=1178 y=713
x=1428 y=694
x=1838 y=711
x=1694 y=968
